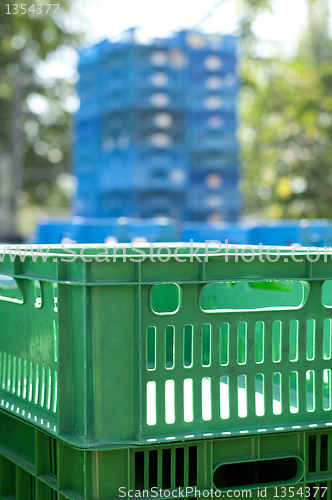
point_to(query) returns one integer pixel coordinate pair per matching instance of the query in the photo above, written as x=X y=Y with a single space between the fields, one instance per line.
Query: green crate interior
x=109 y=353
x=37 y=466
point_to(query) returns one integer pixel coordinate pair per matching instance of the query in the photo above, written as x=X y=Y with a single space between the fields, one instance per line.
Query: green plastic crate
x=128 y=353
x=34 y=465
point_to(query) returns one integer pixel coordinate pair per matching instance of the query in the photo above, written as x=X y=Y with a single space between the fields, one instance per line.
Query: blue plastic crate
x=211 y=121
x=212 y=216
x=278 y=232
x=83 y=166
x=140 y=204
x=89 y=89
x=315 y=232
x=274 y=233
x=160 y=203
x=53 y=231
x=89 y=77
x=159 y=99
x=231 y=215
x=147 y=178
x=116 y=57
x=147 y=121
x=146 y=118
x=229 y=44
x=123 y=130
x=86 y=165
x=186 y=40
x=90 y=55
x=87 y=130
x=199 y=141
x=205 y=63
x=136 y=62
x=89 y=81
x=86 y=139
x=86 y=159
x=145 y=156
x=115 y=176
x=86 y=204
x=215 y=179
x=196 y=41
x=89 y=109
x=118 y=203
x=228 y=170
x=211 y=101
x=286 y=232
x=161 y=57
x=207 y=82
x=214 y=160
x=163 y=121
x=134 y=77
x=90 y=105
x=152 y=230
x=161 y=179
x=203 y=231
x=208 y=200
x=87 y=230
x=87 y=183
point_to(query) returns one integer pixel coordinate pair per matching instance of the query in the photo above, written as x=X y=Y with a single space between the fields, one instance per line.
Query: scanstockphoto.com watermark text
x=186 y=492
x=163 y=252
x=295 y=491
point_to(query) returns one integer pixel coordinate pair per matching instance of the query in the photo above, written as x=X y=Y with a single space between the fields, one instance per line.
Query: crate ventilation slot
x=166 y=468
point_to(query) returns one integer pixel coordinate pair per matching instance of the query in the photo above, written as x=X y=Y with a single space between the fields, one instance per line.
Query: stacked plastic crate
x=308 y=233
x=155 y=133
x=133 y=124
x=211 y=128
x=102 y=229
x=199 y=378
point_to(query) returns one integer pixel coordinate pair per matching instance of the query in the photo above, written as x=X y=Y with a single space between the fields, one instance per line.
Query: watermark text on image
x=165 y=252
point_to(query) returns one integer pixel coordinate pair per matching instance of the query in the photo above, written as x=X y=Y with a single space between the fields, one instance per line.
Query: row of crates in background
x=101 y=230
x=124 y=230
x=276 y=232
x=158 y=373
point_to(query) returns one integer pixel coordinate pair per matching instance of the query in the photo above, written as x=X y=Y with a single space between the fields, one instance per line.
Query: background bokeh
x=285 y=121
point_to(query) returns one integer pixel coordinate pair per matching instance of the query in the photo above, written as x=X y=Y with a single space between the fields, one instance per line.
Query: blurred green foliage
x=286 y=125
x=26 y=40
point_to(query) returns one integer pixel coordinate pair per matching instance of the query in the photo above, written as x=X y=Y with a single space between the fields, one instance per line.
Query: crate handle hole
x=165 y=298
x=327 y=293
x=10 y=290
x=258 y=473
x=250 y=296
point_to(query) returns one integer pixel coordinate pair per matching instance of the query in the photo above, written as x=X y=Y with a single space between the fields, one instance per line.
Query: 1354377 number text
x=34 y=9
